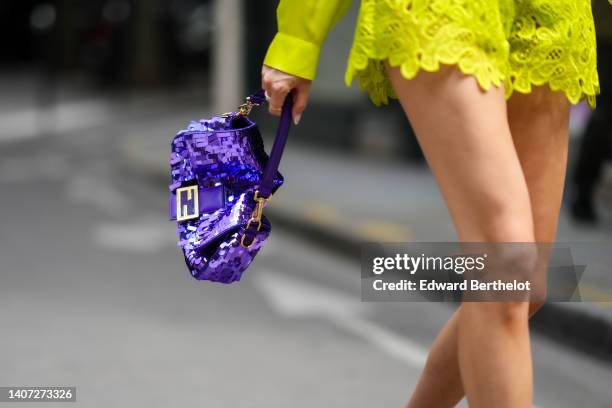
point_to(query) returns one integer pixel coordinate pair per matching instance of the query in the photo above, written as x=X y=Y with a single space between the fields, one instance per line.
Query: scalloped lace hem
x=515 y=43
x=372 y=78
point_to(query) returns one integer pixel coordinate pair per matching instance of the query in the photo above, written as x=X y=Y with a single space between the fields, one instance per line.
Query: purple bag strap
x=282 y=133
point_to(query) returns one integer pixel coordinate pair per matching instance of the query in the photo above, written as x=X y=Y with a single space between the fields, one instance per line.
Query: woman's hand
x=278 y=84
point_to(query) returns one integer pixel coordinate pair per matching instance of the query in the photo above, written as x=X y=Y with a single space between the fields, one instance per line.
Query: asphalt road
x=94 y=294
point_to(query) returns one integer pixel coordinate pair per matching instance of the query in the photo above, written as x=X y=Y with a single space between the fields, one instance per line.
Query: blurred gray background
x=94 y=292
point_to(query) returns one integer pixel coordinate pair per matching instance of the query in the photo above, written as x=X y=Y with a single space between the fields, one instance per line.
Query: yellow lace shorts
x=517 y=43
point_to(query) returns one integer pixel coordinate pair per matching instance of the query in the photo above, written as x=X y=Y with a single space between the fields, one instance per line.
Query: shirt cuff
x=293 y=55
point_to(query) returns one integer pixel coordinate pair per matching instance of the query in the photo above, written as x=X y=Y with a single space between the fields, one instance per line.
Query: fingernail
x=297 y=118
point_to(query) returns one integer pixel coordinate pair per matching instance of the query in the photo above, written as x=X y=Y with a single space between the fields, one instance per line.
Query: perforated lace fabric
x=517 y=43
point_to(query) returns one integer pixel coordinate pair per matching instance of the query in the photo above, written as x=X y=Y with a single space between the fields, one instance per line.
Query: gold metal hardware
x=182 y=209
x=246 y=246
x=256 y=216
x=244 y=109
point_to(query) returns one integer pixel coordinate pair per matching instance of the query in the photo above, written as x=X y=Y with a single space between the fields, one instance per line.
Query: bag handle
x=266 y=184
x=282 y=133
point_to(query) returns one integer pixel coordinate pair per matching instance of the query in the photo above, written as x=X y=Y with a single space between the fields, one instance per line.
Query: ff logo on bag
x=187 y=206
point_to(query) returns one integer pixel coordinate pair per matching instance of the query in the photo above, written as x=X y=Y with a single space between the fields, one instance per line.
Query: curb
x=578 y=329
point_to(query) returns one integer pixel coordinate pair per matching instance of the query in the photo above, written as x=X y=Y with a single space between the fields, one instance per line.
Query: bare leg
x=539 y=122
x=467 y=143
x=539 y=125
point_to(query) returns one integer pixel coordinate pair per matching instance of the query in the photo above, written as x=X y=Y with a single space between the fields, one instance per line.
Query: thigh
x=466 y=141
x=539 y=122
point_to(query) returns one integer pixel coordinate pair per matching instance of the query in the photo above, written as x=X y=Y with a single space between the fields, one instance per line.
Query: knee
x=504 y=223
x=501 y=215
x=514 y=260
x=509 y=314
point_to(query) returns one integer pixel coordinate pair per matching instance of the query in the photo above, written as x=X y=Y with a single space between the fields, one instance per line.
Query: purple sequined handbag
x=221 y=180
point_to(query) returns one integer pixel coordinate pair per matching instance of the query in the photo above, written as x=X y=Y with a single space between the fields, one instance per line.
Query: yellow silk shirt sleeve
x=303 y=26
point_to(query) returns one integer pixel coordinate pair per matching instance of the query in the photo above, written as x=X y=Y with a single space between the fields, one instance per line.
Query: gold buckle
x=243 y=109
x=192 y=197
x=256 y=216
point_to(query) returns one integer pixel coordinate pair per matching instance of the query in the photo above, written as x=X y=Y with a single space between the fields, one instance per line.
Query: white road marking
x=141 y=236
x=37 y=168
x=65 y=117
x=99 y=193
x=295 y=297
x=298 y=298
